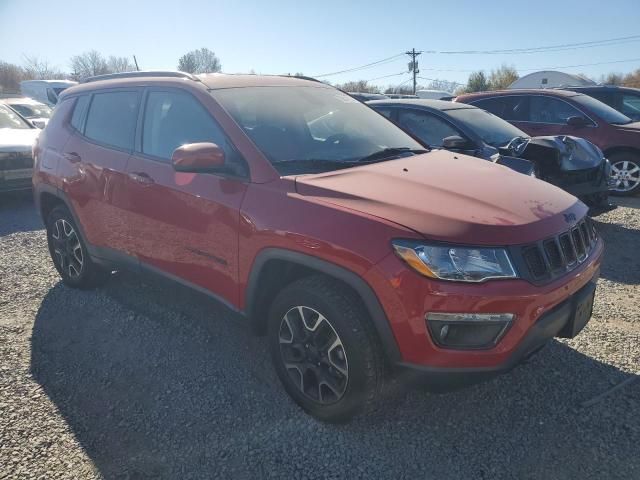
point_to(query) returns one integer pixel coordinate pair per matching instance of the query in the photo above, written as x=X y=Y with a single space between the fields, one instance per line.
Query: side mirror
x=577 y=121
x=198 y=158
x=455 y=142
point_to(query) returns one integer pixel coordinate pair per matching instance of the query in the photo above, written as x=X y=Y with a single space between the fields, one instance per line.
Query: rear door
x=184 y=224
x=95 y=160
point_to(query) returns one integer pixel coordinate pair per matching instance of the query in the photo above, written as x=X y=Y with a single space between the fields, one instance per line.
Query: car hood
x=570 y=153
x=447 y=197
x=17 y=140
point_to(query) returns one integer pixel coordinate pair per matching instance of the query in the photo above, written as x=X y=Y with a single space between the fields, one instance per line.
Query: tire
x=338 y=370
x=625 y=168
x=69 y=253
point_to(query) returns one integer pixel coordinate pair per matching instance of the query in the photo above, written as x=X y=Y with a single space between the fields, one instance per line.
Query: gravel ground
x=142 y=379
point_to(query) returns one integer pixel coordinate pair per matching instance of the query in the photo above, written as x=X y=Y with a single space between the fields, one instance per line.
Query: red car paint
x=208 y=230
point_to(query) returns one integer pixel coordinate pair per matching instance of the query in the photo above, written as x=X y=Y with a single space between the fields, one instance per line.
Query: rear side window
x=79 y=111
x=428 y=128
x=172 y=119
x=112 y=119
x=512 y=107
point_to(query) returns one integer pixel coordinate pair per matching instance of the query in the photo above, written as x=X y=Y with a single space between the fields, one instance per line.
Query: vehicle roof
x=50 y=82
x=209 y=80
x=520 y=91
x=441 y=105
x=601 y=87
x=20 y=101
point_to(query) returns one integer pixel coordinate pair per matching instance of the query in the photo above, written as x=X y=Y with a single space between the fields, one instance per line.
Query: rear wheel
x=324 y=350
x=625 y=172
x=69 y=252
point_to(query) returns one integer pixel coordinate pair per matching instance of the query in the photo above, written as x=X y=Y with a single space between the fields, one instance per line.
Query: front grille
x=15 y=160
x=552 y=257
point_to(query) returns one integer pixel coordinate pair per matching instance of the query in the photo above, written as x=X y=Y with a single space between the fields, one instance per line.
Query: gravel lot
x=142 y=379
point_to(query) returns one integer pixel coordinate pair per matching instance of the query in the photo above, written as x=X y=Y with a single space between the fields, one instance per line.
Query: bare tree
x=358 y=86
x=120 y=64
x=202 y=60
x=502 y=77
x=36 y=68
x=444 y=85
x=89 y=64
x=10 y=77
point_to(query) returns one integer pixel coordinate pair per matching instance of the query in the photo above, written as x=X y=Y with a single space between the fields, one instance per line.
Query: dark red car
x=560 y=112
x=328 y=227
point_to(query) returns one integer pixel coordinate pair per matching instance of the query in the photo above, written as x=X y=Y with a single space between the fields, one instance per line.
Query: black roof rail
x=142 y=74
x=302 y=77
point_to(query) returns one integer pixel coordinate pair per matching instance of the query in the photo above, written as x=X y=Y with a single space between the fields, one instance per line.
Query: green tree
x=477 y=82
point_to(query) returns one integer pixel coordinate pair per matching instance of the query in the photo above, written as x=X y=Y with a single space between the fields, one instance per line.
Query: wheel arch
x=275 y=268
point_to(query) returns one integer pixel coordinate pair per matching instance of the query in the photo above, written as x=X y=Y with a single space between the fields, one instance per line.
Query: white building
x=550 y=79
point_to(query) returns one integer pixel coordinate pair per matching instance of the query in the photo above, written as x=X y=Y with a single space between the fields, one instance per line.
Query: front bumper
x=407 y=297
x=554 y=323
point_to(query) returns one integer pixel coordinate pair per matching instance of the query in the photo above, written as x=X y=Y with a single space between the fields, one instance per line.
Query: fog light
x=468 y=330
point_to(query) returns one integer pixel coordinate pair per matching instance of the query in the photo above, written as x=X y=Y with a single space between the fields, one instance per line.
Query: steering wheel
x=336 y=138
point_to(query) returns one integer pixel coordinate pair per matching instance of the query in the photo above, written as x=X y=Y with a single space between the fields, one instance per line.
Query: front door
x=184 y=224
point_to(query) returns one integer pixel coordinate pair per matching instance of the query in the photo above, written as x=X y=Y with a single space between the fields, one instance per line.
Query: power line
x=548 y=48
x=361 y=67
x=386 y=76
x=580 y=65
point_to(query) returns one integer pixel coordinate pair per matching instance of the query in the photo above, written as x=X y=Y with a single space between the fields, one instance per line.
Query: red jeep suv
x=357 y=252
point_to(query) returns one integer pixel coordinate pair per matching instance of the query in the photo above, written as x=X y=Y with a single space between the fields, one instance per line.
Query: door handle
x=73 y=157
x=142 y=178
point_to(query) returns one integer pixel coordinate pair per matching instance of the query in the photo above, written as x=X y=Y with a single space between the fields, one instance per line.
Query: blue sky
x=312 y=37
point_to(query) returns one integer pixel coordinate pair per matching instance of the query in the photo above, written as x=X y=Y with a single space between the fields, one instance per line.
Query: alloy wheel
x=313 y=355
x=625 y=175
x=67 y=249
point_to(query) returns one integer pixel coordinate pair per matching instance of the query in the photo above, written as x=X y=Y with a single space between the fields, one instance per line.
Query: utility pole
x=136 y=62
x=413 y=66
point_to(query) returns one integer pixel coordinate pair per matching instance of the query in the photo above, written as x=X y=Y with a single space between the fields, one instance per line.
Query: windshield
x=32 y=111
x=604 y=111
x=10 y=119
x=311 y=129
x=491 y=129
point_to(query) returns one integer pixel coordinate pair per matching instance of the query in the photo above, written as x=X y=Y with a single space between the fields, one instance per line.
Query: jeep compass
x=332 y=231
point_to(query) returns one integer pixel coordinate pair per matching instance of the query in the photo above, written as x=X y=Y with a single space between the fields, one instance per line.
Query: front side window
x=10 y=119
x=172 y=119
x=551 y=110
x=492 y=129
x=112 y=119
x=427 y=127
x=51 y=96
x=308 y=129
x=631 y=106
x=514 y=108
x=605 y=112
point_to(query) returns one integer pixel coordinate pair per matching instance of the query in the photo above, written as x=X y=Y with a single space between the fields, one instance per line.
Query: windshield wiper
x=388 y=153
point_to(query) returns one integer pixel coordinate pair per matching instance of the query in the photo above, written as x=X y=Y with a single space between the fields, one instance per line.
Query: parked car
x=561 y=112
x=435 y=94
x=571 y=163
x=17 y=137
x=353 y=249
x=624 y=99
x=400 y=95
x=36 y=112
x=365 y=96
x=45 y=91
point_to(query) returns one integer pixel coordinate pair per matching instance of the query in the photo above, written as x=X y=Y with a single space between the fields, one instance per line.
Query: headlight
x=464 y=264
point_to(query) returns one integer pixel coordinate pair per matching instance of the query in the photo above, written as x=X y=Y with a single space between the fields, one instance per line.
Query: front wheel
x=625 y=173
x=324 y=350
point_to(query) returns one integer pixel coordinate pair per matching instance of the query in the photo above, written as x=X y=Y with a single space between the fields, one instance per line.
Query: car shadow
x=156 y=381
x=621 y=263
x=17 y=213
x=629 y=202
